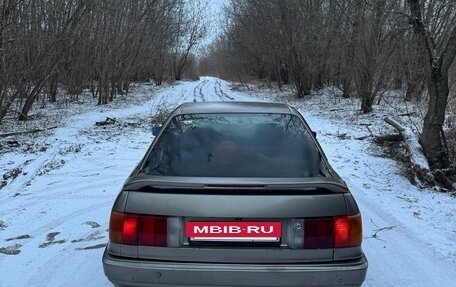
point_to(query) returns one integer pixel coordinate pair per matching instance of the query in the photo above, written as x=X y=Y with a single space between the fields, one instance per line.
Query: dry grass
x=161 y=114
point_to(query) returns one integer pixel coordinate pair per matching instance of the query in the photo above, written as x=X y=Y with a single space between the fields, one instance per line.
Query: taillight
x=326 y=232
x=137 y=229
x=355 y=236
x=348 y=231
x=152 y=230
x=130 y=229
x=116 y=227
x=318 y=233
x=341 y=231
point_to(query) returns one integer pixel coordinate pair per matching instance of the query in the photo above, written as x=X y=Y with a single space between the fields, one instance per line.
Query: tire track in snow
x=203 y=98
x=53 y=224
x=57 y=269
x=416 y=257
x=198 y=91
x=31 y=168
x=73 y=190
x=220 y=93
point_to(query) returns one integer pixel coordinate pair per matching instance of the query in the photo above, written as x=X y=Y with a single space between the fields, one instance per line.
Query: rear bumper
x=134 y=272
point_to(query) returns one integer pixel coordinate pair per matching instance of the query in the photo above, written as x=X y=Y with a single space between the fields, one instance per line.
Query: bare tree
x=438 y=48
x=192 y=27
x=11 y=82
x=59 y=44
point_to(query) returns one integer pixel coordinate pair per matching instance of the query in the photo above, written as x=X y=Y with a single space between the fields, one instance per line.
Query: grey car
x=235 y=194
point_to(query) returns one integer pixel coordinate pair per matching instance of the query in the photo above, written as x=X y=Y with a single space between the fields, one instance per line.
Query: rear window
x=234 y=145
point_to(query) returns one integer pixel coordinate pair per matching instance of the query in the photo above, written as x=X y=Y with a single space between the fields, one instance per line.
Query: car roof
x=233 y=107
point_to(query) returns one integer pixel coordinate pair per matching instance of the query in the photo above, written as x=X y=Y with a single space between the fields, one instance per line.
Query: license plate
x=234 y=231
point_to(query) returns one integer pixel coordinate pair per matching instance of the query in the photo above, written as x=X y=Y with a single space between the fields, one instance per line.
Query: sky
x=215 y=15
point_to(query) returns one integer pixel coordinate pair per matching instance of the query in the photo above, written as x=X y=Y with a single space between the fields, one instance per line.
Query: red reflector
x=318 y=233
x=130 y=229
x=152 y=231
x=341 y=232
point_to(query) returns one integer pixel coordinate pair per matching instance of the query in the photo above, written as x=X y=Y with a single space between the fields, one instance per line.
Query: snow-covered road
x=54 y=214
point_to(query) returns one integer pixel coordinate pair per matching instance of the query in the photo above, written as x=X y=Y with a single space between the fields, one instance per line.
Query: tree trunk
x=371 y=50
x=23 y=116
x=432 y=133
x=366 y=93
x=53 y=86
x=6 y=103
x=414 y=89
x=348 y=68
x=346 y=86
x=103 y=88
x=93 y=89
x=112 y=93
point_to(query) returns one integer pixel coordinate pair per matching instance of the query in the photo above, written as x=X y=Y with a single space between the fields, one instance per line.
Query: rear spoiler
x=288 y=185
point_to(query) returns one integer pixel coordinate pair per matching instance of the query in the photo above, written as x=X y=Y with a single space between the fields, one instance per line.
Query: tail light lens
x=130 y=229
x=348 y=231
x=137 y=229
x=152 y=231
x=116 y=227
x=318 y=233
x=327 y=232
x=356 y=230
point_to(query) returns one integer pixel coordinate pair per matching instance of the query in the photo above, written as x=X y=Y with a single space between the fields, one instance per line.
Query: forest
x=101 y=45
x=365 y=48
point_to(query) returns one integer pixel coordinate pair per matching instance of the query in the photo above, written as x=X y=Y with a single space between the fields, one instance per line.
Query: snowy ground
x=54 y=209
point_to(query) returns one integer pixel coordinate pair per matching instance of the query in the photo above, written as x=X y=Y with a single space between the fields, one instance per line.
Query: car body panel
x=241 y=206
x=127 y=272
x=230 y=255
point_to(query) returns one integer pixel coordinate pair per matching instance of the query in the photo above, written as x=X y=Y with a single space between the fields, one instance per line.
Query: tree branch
x=449 y=52
x=424 y=40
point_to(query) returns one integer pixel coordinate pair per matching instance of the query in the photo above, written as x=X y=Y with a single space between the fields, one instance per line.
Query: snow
x=54 y=215
x=416 y=152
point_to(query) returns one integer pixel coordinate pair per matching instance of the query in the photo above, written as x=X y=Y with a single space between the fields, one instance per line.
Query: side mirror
x=314 y=134
x=156 y=129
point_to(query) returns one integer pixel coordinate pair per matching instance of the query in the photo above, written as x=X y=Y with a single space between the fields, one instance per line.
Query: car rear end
x=233 y=194
x=318 y=241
